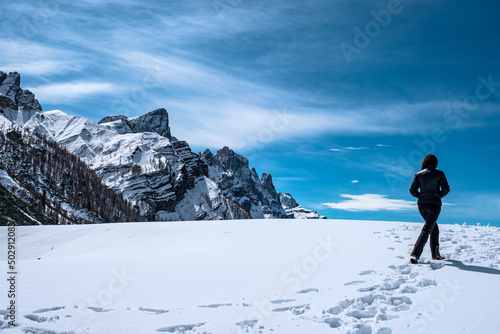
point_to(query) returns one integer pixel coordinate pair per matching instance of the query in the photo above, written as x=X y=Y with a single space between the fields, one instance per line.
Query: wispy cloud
x=31 y=58
x=225 y=77
x=356 y=148
x=349 y=148
x=73 y=91
x=370 y=202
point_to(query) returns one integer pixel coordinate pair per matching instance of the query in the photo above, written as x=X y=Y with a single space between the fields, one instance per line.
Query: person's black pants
x=430 y=213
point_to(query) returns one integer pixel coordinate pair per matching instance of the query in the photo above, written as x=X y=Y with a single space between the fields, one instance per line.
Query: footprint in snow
x=297 y=310
x=151 y=310
x=383 y=316
x=308 y=290
x=180 y=328
x=31 y=330
x=368 y=289
x=39 y=319
x=367 y=272
x=214 y=305
x=427 y=282
x=371 y=298
x=333 y=322
x=354 y=283
x=403 y=269
x=50 y=309
x=391 y=284
x=341 y=307
x=363 y=314
x=400 y=303
x=363 y=329
x=409 y=289
x=99 y=309
x=281 y=301
x=247 y=323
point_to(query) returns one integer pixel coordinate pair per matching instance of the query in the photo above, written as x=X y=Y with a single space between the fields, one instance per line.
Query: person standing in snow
x=433 y=186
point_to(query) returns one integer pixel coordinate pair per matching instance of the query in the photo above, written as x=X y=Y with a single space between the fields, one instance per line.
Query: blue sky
x=339 y=100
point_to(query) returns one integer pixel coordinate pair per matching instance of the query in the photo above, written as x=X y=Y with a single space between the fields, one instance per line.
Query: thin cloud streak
x=242 y=118
x=370 y=202
x=31 y=58
x=73 y=91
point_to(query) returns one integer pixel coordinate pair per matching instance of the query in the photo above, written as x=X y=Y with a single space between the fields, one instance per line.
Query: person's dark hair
x=430 y=160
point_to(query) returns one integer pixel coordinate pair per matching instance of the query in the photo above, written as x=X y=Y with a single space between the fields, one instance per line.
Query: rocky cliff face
x=10 y=86
x=257 y=196
x=237 y=181
x=16 y=103
x=154 y=121
x=158 y=173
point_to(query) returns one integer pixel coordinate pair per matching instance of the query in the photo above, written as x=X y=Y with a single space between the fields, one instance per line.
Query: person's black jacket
x=433 y=186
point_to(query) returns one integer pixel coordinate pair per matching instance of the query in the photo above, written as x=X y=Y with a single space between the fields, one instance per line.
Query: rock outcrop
x=10 y=86
x=294 y=210
x=238 y=182
x=155 y=121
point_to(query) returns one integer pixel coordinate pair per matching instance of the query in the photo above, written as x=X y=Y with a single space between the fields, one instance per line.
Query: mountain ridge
x=159 y=174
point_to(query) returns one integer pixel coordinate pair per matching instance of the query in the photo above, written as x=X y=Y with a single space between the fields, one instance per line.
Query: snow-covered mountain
x=157 y=172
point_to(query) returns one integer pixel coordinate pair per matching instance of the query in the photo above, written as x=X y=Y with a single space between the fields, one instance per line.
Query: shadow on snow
x=460 y=265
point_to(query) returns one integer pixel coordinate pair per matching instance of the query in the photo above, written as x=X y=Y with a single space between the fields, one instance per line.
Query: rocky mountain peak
x=227 y=159
x=267 y=183
x=288 y=201
x=154 y=121
x=10 y=87
x=12 y=79
x=208 y=157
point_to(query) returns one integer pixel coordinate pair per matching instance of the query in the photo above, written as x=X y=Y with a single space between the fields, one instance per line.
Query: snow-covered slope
x=254 y=276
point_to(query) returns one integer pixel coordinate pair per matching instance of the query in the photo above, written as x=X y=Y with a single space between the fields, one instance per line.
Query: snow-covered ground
x=254 y=276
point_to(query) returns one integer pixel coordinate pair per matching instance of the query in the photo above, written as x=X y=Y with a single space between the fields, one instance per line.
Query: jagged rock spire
x=10 y=86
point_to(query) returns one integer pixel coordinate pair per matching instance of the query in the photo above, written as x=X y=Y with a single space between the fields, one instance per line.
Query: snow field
x=254 y=276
